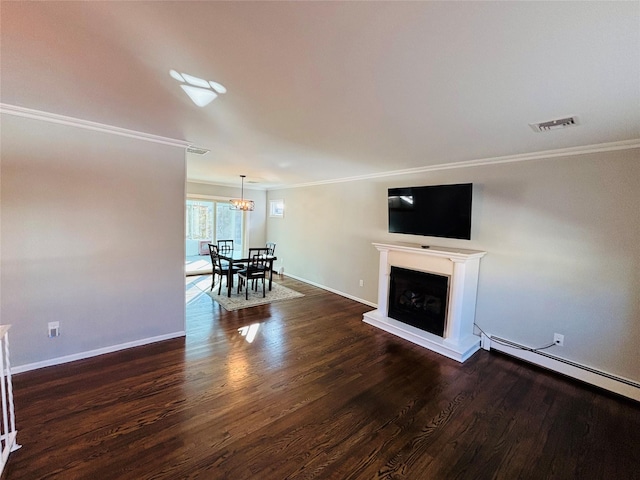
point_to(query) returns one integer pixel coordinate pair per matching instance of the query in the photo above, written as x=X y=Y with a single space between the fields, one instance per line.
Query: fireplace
x=419 y=299
x=445 y=298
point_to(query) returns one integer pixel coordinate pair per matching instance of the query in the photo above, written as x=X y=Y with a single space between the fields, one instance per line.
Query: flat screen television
x=433 y=211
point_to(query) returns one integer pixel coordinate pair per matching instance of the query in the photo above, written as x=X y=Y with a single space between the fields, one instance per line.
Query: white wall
x=92 y=237
x=256 y=225
x=326 y=232
x=562 y=236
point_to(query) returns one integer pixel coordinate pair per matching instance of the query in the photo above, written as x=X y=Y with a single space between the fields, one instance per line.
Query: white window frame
x=215 y=198
x=276 y=208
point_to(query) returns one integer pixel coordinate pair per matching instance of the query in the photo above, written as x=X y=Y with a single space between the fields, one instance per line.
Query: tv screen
x=434 y=211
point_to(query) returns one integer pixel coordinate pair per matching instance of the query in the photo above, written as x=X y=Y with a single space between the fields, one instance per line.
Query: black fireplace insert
x=419 y=299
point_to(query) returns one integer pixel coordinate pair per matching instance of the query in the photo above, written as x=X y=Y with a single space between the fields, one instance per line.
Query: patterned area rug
x=236 y=302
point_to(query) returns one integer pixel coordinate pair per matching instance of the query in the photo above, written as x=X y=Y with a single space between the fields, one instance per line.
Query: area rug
x=237 y=301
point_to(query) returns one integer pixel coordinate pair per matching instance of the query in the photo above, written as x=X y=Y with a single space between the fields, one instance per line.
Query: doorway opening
x=207 y=221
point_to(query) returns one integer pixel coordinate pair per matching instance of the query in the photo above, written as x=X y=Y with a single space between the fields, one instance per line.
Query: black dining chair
x=256 y=269
x=271 y=247
x=272 y=251
x=219 y=269
x=225 y=246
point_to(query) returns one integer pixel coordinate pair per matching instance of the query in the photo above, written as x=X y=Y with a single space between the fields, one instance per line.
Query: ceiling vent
x=197 y=150
x=555 y=124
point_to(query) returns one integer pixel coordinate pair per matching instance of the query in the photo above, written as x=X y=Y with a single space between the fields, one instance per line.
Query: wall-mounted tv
x=434 y=211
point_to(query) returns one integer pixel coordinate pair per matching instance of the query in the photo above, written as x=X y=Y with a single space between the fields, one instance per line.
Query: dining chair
x=225 y=246
x=272 y=248
x=257 y=268
x=218 y=269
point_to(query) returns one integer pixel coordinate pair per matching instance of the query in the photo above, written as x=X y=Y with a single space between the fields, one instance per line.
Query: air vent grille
x=555 y=124
x=197 y=150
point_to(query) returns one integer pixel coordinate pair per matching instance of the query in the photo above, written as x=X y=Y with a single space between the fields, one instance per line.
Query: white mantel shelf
x=462 y=267
x=455 y=254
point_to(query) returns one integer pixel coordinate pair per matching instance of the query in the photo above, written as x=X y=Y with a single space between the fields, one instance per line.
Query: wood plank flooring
x=318 y=394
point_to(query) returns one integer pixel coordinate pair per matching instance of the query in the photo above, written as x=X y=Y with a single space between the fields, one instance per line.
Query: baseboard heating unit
x=613 y=383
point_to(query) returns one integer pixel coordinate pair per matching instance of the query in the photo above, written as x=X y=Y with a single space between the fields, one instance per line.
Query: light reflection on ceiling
x=199 y=90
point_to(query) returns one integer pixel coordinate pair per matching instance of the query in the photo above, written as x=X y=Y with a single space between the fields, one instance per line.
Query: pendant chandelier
x=241 y=203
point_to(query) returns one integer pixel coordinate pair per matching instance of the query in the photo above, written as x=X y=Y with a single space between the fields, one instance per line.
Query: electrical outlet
x=362 y=283
x=558 y=339
x=54 y=329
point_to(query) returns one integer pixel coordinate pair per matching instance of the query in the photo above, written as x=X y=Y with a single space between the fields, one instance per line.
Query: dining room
x=222 y=240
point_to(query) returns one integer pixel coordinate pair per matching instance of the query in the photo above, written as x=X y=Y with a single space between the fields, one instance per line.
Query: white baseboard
x=94 y=353
x=613 y=383
x=337 y=292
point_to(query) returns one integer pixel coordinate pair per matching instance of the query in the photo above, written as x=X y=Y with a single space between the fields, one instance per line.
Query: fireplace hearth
x=419 y=299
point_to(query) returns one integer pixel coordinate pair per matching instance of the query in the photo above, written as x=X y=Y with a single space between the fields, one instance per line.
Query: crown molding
x=524 y=157
x=148 y=137
x=230 y=185
x=88 y=125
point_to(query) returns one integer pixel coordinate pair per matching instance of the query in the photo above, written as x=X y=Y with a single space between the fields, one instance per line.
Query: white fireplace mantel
x=462 y=267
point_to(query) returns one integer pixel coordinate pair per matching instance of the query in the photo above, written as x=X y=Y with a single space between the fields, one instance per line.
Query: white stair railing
x=8 y=430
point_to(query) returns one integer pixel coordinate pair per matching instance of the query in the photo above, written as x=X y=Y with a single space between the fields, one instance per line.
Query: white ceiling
x=325 y=90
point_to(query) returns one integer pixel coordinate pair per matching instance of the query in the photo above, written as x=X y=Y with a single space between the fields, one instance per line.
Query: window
x=276 y=208
x=212 y=220
x=199 y=220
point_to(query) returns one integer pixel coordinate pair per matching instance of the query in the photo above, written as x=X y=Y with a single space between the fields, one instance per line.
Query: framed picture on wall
x=276 y=208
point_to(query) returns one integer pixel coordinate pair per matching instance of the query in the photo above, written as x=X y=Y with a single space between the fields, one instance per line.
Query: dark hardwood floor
x=317 y=394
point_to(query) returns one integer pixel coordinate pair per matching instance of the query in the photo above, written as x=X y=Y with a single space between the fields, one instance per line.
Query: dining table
x=237 y=257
